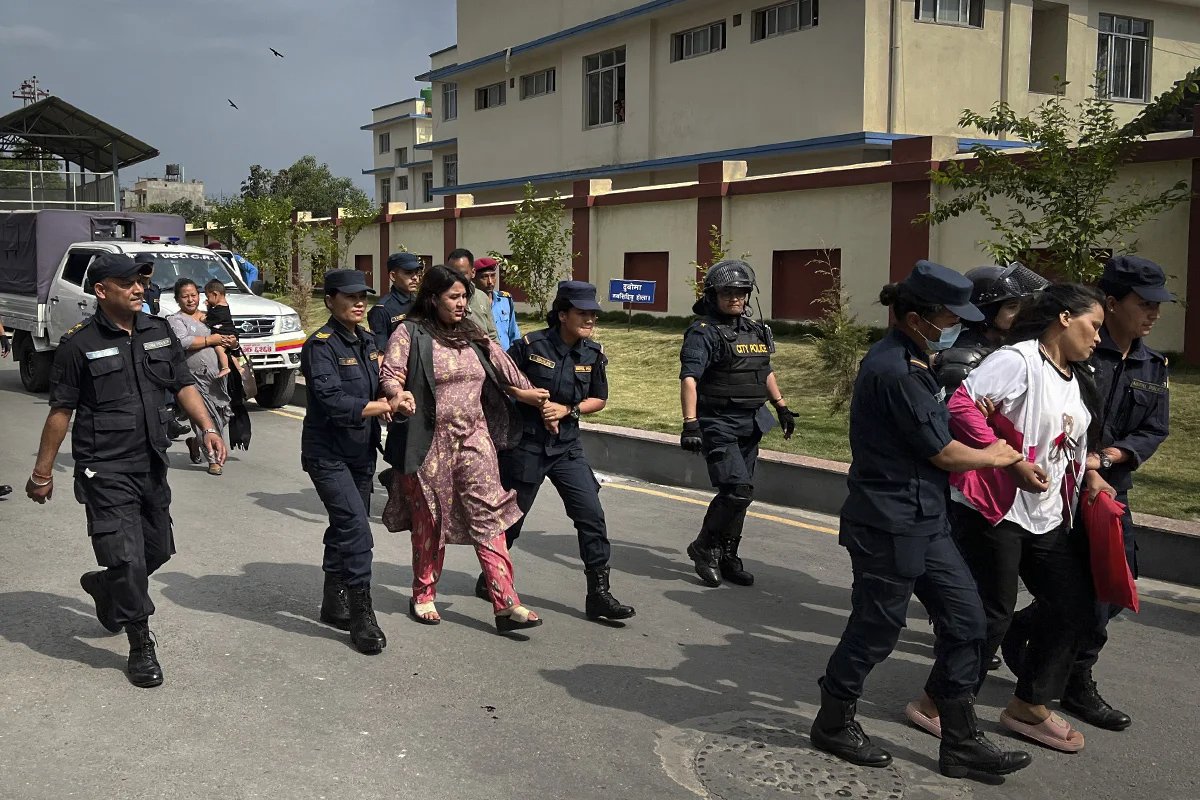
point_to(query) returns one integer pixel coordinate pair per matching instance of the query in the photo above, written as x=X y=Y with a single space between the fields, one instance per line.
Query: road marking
x=693 y=501
x=285 y=414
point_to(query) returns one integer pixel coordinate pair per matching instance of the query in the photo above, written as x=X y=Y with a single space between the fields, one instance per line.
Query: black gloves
x=690 y=439
x=787 y=420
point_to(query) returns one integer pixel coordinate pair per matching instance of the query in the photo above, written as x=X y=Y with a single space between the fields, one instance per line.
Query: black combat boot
x=93 y=583
x=964 y=747
x=143 y=668
x=600 y=604
x=335 y=606
x=837 y=732
x=1083 y=699
x=706 y=553
x=731 y=566
x=364 y=628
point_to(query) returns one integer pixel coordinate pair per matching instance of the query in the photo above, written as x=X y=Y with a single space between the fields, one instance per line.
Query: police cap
x=1141 y=275
x=405 y=261
x=579 y=294
x=486 y=264
x=116 y=265
x=346 y=281
x=938 y=285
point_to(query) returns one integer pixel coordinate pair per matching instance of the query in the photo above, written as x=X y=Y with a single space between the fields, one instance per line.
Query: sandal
x=517 y=618
x=214 y=469
x=1053 y=732
x=422 y=612
x=926 y=723
x=193 y=449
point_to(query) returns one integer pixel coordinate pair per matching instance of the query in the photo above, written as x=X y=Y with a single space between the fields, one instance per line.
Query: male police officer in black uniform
x=895 y=527
x=726 y=380
x=117 y=369
x=404 y=270
x=337 y=450
x=1132 y=380
x=564 y=359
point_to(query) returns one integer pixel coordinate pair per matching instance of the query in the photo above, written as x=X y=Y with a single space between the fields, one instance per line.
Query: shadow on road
x=56 y=626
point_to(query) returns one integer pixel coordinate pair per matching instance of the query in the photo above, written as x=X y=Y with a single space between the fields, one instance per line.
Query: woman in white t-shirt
x=1015 y=522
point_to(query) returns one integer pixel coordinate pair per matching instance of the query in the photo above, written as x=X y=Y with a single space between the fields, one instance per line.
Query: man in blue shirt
x=503 y=312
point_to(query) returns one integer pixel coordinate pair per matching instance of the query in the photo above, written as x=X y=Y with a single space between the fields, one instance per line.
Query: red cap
x=485 y=264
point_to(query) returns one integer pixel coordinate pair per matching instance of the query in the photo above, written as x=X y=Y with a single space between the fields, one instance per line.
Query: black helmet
x=994 y=285
x=729 y=274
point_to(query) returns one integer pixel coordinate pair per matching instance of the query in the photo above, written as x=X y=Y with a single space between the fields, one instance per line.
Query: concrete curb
x=1168 y=549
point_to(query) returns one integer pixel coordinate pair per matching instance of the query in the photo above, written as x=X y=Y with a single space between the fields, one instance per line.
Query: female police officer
x=337 y=450
x=564 y=359
x=895 y=527
x=726 y=379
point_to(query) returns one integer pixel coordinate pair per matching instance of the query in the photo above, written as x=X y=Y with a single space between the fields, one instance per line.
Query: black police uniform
x=386 y=315
x=118 y=384
x=338 y=445
x=730 y=360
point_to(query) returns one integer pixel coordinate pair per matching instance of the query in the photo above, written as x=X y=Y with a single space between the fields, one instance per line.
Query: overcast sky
x=161 y=70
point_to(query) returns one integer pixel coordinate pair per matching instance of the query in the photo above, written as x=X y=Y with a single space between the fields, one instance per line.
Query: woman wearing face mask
x=444 y=373
x=1015 y=522
x=894 y=526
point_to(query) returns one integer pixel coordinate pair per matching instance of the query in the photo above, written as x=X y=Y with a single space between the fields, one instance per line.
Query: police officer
x=116 y=369
x=997 y=293
x=895 y=527
x=337 y=450
x=1133 y=384
x=404 y=271
x=726 y=381
x=564 y=359
x=504 y=312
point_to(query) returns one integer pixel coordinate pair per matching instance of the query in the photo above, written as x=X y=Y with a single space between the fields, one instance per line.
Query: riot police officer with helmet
x=726 y=381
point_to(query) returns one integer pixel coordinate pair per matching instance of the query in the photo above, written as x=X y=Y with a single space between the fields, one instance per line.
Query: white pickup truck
x=270 y=332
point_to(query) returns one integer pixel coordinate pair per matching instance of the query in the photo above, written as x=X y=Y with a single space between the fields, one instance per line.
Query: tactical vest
x=738 y=377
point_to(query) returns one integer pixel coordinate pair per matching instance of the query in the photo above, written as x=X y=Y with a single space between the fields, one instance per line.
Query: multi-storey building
x=403 y=173
x=640 y=92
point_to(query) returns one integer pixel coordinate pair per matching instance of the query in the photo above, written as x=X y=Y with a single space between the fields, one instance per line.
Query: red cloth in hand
x=1106 y=544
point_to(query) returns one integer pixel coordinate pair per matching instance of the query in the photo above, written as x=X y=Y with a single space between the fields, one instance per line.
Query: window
x=449 y=101
x=490 y=96
x=77 y=264
x=698 y=41
x=401 y=156
x=385 y=142
x=1123 y=57
x=784 y=18
x=604 y=87
x=427 y=187
x=385 y=190
x=538 y=83
x=951 y=12
x=401 y=183
x=450 y=170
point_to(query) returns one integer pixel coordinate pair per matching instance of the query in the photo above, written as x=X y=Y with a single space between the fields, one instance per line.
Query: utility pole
x=29 y=92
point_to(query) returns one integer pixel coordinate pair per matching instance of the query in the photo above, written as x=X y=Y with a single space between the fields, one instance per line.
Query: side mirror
x=257 y=287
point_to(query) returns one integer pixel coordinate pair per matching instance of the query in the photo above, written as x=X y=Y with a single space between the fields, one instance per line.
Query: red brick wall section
x=449 y=225
x=581 y=232
x=910 y=243
x=798 y=277
x=708 y=210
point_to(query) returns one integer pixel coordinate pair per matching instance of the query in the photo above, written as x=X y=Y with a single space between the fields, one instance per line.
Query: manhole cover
x=761 y=758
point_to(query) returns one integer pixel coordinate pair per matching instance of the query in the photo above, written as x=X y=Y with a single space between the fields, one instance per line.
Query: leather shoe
x=994 y=663
x=1083 y=699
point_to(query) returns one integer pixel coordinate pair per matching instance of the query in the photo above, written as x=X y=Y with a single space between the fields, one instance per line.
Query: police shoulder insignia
x=916 y=362
x=504 y=293
x=545 y=362
x=322 y=335
x=398 y=318
x=74 y=329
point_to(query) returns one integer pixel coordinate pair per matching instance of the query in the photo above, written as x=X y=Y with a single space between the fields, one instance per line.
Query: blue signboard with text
x=622 y=290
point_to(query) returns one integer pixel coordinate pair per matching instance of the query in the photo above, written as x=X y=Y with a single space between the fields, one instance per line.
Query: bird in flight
x=276 y=52
x=231 y=103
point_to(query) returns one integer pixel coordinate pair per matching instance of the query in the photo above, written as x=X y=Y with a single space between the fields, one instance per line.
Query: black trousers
x=888 y=569
x=129 y=522
x=1057 y=574
x=345 y=490
x=575 y=482
x=1091 y=641
x=731 y=459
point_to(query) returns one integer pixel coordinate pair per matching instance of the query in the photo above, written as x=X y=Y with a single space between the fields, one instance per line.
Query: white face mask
x=946 y=338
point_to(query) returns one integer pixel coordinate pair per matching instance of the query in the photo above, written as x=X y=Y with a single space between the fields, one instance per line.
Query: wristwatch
x=575 y=412
x=210 y=430
x=1105 y=461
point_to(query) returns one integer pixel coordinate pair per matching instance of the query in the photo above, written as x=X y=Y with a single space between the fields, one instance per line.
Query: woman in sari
x=201 y=346
x=451 y=381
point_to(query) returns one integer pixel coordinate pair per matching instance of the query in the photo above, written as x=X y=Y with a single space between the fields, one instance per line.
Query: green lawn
x=644 y=393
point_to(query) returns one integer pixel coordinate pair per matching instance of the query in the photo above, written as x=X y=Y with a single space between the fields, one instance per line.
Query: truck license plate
x=257 y=349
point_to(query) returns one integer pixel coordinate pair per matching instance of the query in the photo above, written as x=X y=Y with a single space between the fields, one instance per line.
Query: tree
x=308 y=186
x=540 y=247
x=195 y=214
x=27 y=164
x=261 y=228
x=258 y=183
x=718 y=249
x=840 y=339
x=1056 y=205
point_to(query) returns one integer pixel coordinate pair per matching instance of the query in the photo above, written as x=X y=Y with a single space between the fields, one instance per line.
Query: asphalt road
x=705 y=693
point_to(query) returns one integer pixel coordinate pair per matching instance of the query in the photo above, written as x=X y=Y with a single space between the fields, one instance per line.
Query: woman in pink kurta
x=448 y=489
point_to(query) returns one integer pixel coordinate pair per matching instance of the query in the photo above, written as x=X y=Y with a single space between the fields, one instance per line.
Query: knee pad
x=736 y=495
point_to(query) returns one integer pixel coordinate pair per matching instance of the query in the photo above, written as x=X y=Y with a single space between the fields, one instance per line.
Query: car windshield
x=199 y=267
